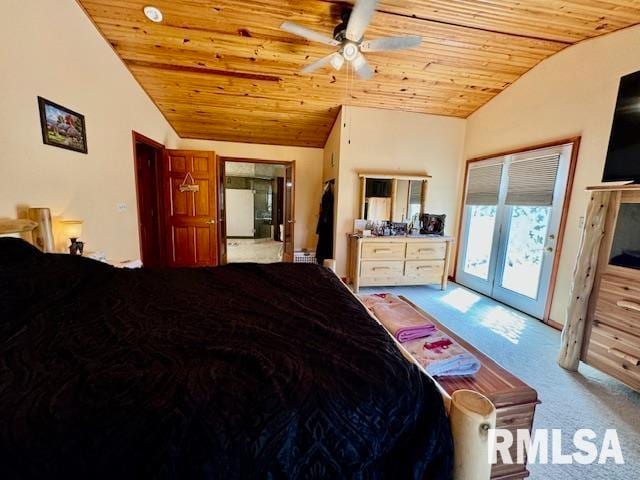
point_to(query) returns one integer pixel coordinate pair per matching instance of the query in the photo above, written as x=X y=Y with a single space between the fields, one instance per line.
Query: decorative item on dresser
x=405 y=260
x=603 y=318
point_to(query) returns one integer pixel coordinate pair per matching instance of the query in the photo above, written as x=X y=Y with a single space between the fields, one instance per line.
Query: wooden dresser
x=389 y=261
x=606 y=289
x=613 y=339
x=515 y=401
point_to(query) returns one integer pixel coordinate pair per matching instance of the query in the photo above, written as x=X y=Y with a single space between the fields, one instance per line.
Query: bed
x=242 y=371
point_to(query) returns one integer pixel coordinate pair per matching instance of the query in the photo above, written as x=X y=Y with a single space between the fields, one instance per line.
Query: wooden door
x=222 y=212
x=289 y=214
x=189 y=184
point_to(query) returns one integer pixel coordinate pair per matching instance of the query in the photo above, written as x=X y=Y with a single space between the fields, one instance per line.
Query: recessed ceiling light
x=152 y=13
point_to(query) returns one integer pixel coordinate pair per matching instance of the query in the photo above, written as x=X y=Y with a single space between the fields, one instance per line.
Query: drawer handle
x=383 y=250
x=628 y=305
x=424 y=267
x=635 y=361
x=426 y=250
x=381 y=268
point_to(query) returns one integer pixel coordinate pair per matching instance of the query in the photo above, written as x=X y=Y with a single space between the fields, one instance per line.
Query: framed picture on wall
x=62 y=127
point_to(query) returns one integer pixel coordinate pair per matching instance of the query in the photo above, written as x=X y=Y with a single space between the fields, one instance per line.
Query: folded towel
x=438 y=354
x=402 y=321
x=443 y=357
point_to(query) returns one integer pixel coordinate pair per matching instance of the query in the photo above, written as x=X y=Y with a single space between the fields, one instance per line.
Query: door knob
x=291 y=221
x=211 y=222
x=550 y=249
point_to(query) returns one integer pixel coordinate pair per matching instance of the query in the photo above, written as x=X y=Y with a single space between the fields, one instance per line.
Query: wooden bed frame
x=471 y=414
x=17 y=226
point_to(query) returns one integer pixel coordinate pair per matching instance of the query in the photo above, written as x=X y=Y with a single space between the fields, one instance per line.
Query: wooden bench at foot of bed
x=514 y=400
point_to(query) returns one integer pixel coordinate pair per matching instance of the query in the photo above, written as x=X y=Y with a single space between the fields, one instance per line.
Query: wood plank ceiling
x=223 y=70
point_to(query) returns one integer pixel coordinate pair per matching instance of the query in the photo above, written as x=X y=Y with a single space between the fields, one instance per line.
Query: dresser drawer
x=618 y=304
x=615 y=352
x=426 y=250
x=383 y=250
x=380 y=272
x=377 y=268
x=424 y=271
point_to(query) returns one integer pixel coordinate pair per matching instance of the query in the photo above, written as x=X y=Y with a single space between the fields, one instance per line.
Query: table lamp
x=73 y=231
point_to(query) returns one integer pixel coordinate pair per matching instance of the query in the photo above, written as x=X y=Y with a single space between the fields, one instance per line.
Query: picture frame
x=432 y=224
x=62 y=127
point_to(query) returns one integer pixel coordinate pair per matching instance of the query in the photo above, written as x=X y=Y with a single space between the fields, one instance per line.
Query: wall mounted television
x=623 y=157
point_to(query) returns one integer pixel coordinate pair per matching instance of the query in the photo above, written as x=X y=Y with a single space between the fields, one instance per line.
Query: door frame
x=575 y=151
x=285 y=163
x=159 y=150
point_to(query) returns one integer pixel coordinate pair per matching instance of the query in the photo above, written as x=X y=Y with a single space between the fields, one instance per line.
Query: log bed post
x=583 y=278
x=8 y=227
x=472 y=416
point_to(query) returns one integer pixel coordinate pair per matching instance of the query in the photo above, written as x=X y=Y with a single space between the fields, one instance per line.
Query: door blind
x=532 y=181
x=483 y=187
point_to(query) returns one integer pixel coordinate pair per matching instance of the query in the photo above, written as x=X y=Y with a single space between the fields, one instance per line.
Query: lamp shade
x=72 y=228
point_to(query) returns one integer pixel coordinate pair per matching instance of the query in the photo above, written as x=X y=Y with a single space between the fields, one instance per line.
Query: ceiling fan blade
x=362 y=67
x=360 y=19
x=335 y=60
x=391 y=43
x=304 y=32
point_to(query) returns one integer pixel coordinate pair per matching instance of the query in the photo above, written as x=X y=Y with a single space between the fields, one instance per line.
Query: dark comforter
x=243 y=371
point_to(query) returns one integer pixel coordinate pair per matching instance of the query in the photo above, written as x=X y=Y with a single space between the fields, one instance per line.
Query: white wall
x=375 y=140
x=51 y=49
x=571 y=93
x=308 y=178
x=331 y=154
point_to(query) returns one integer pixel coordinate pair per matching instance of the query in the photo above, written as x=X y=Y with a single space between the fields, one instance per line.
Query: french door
x=512 y=216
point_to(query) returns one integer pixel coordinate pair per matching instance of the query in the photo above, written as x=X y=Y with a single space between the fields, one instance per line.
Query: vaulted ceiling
x=223 y=69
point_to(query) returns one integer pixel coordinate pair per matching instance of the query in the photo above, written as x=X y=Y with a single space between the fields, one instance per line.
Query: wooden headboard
x=17 y=226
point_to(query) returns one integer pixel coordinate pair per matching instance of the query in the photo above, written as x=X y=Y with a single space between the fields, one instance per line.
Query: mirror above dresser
x=392 y=197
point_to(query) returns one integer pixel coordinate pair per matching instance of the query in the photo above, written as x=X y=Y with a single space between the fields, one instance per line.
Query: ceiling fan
x=349 y=37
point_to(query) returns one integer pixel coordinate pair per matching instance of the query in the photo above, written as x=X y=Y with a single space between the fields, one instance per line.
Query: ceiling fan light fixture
x=153 y=13
x=350 y=51
x=348 y=37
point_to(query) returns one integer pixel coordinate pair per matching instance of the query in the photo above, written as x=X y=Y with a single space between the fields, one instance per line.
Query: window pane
x=525 y=250
x=480 y=240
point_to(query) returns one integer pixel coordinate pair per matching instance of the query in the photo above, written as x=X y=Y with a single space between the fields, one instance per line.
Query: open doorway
x=258 y=210
x=148 y=156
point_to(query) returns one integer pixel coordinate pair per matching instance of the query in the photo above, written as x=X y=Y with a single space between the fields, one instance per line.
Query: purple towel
x=402 y=321
x=411 y=333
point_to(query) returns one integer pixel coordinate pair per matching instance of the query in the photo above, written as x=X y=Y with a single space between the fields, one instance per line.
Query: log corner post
x=583 y=279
